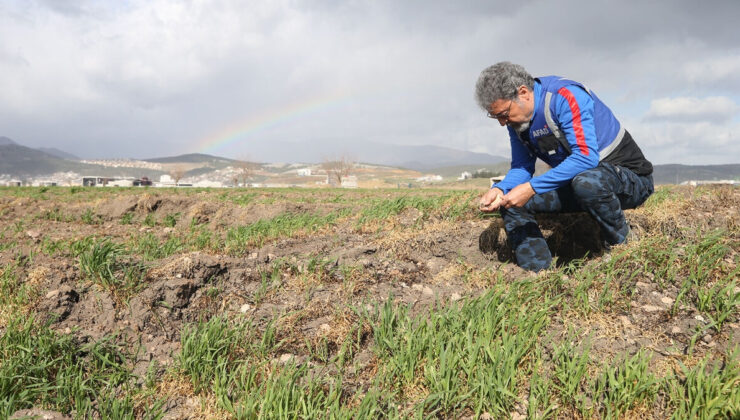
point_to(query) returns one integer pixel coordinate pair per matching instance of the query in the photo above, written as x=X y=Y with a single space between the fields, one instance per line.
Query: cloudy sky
x=143 y=78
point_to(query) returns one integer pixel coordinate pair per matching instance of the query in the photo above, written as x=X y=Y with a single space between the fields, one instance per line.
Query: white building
x=429 y=178
x=349 y=181
x=304 y=172
x=121 y=183
x=208 y=184
x=465 y=175
x=694 y=183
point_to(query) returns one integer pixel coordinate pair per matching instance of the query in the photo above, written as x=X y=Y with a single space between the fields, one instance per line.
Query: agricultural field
x=388 y=303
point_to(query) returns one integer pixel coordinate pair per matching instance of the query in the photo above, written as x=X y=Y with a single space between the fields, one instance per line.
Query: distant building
x=429 y=178
x=465 y=175
x=95 y=181
x=304 y=172
x=121 y=183
x=104 y=181
x=208 y=184
x=142 y=182
x=14 y=183
x=694 y=183
x=349 y=181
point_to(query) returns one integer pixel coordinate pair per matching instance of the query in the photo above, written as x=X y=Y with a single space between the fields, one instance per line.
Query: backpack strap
x=561 y=137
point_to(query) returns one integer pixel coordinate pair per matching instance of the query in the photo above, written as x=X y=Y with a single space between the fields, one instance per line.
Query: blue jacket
x=571 y=130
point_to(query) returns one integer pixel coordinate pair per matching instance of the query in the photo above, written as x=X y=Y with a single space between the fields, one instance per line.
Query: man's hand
x=491 y=200
x=518 y=196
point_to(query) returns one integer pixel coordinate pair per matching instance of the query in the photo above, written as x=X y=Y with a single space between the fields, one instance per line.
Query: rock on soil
x=38 y=414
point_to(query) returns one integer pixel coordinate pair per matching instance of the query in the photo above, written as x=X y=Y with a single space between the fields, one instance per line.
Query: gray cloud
x=116 y=78
x=719 y=109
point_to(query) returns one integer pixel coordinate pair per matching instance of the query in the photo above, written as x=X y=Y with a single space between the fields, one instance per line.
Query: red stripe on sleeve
x=577 y=127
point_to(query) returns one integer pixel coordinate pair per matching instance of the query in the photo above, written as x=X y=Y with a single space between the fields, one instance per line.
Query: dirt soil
x=413 y=258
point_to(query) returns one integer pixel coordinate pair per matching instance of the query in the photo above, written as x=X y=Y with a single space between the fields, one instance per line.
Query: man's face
x=514 y=112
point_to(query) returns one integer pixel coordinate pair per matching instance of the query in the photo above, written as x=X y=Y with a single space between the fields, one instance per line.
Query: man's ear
x=523 y=91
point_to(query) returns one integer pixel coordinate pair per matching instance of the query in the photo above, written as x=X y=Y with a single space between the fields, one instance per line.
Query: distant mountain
x=4 y=141
x=676 y=174
x=58 y=153
x=24 y=162
x=421 y=158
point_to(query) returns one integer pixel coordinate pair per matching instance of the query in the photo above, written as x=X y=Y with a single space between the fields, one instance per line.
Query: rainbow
x=239 y=130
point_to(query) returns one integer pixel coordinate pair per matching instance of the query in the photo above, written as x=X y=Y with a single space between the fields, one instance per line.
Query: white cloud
x=697 y=143
x=713 y=108
x=714 y=70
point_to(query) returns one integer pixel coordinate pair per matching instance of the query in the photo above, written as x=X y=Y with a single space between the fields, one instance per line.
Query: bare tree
x=337 y=169
x=245 y=170
x=177 y=173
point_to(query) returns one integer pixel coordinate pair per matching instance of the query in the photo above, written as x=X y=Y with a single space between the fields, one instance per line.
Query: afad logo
x=541 y=131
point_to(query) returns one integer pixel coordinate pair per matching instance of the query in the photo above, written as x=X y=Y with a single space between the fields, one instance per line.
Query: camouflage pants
x=602 y=192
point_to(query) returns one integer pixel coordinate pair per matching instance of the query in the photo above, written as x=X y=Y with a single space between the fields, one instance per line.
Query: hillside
x=58 y=153
x=676 y=174
x=24 y=162
x=21 y=161
x=194 y=158
x=418 y=157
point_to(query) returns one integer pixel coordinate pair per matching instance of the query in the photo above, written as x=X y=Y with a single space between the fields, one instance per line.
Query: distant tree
x=245 y=170
x=338 y=168
x=177 y=173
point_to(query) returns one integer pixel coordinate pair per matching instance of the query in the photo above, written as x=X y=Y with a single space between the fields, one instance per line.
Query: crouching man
x=596 y=165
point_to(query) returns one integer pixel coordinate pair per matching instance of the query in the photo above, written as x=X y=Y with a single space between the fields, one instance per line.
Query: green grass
x=233 y=362
x=241 y=199
x=7 y=243
x=54 y=247
x=199 y=238
x=624 y=386
x=700 y=267
x=105 y=263
x=41 y=368
x=467 y=357
x=56 y=215
x=708 y=390
x=150 y=248
x=240 y=239
x=523 y=342
x=450 y=206
x=570 y=368
x=15 y=292
x=661 y=196
x=170 y=220
x=149 y=220
x=127 y=218
x=90 y=218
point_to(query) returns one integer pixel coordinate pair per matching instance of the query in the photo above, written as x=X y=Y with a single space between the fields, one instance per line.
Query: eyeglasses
x=502 y=116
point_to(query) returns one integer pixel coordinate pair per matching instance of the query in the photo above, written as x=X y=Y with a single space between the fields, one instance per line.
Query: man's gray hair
x=501 y=81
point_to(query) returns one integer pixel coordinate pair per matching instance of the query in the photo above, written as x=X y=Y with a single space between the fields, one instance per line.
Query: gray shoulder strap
x=551 y=123
x=561 y=137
